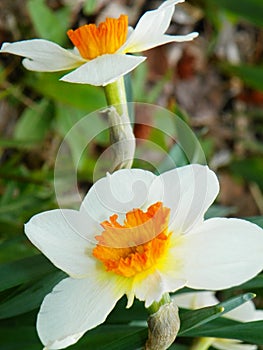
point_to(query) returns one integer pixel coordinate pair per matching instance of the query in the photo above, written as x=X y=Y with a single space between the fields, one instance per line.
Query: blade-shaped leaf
x=196 y=318
x=250 y=332
x=48 y=24
x=251 y=10
x=251 y=75
x=30 y=298
x=22 y=271
x=85 y=97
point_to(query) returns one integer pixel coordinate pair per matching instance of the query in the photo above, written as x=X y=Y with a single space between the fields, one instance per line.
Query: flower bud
x=163 y=327
x=122 y=138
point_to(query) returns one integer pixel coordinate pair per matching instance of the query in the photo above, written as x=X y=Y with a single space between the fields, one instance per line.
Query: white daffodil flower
x=99 y=56
x=243 y=313
x=139 y=235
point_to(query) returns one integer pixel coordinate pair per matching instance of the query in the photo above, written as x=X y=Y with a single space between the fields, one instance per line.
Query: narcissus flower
x=100 y=52
x=139 y=235
x=244 y=313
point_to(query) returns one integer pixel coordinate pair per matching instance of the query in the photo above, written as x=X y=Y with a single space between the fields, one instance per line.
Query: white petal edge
x=229 y=344
x=117 y=193
x=170 y=3
x=60 y=235
x=158 y=20
x=74 y=307
x=155 y=41
x=104 y=69
x=221 y=253
x=246 y=312
x=188 y=191
x=195 y=300
x=43 y=55
x=151 y=26
x=151 y=287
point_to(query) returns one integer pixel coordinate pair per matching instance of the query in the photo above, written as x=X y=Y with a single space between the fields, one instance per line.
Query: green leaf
x=15 y=248
x=101 y=338
x=195 y=318
x=219 y=211
x=120 y=314
x=89 y=7
x=250 y=10
x=250 y=332
x=258 y=220
x=81 y=133
x=254 y=283
x=22 y=271
x=85 y=97
x=34 y=122
x=190 y=320
x=50 y=25
x=10 y=143
x=176 y=157
x=114 y=338
x=251 y=169
x=26 y=337
x=30 y=297
x=251 y=75
x=139 y=83
x=127 y=337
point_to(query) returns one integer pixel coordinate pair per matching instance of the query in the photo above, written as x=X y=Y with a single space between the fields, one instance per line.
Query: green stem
x=152 y=309
x=202 y=344
x=121 y=133
x=116 y=95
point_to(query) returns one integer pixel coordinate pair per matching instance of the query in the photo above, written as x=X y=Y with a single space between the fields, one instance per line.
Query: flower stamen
x=107 y=38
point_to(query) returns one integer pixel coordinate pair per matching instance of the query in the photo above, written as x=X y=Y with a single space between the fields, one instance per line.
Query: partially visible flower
x=139 y=235
x=99 y=55
x=244 y=313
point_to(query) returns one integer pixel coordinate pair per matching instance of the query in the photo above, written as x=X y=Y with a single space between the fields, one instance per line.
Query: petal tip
x=195 y=35
x=4 y=46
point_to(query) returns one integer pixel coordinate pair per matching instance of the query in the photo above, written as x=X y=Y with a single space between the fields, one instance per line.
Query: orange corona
x=138 y=244
x=107 y=38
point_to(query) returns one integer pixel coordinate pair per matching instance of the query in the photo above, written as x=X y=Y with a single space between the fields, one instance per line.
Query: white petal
x=229 y=344
x=60 y=235
x=258 y=316
x=154 y=285
x=169 y=3
x=117 y=193
x=195 y=300
x=245 y=313
x=188 y=191
x=155 y=41
x=43 y=55
x=104 y=69
x=221 y=253
x=149 y=31
x=75 y=306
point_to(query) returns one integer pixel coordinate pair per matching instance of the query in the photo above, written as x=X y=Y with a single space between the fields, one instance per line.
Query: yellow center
x=93 y=41
x=143 y=239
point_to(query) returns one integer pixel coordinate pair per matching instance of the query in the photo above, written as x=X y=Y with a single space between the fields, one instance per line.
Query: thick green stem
x=202 y=344
x=121 y=133
x=116 y=95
